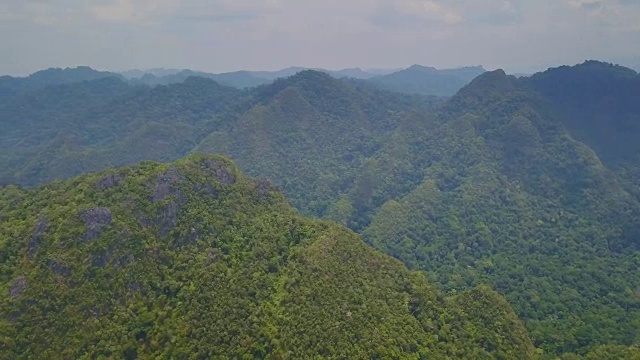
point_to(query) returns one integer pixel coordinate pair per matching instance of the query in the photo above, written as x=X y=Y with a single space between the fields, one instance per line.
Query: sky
x=229 y=35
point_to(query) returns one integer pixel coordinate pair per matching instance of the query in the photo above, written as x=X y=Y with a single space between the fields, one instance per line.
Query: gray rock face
x=165 y=184
x=109 y=181
x=222 y=174
x=37 y=237
x=17 y=287
x=94 y=221
x=167 y=218
x=58 y=268
x=205 y=190
x=111 y=257
x=264 y=186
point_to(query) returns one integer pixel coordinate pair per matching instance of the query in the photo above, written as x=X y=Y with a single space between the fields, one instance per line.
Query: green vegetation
x=529 y=186
x=511 y=199
x=239 y=79
x=427 y=80
x=10 y=86
x=192 y=260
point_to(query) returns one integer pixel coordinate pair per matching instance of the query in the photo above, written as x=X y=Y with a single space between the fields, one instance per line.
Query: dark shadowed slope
x=510 y=197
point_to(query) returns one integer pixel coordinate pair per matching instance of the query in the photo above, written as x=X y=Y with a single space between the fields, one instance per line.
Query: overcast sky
x=227 y=35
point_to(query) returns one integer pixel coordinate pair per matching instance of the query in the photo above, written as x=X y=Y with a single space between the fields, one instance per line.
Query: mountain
x=419 y=79
x=511 y=197
x=297 y=118
x=237 y=79
x=317 y=130
x=240 y=79
x=54 y=76
x=355 y=73
x=65 y=130
x=490 y=186
x=284 y=73
x=192 y=259
x=529 y=185
x=599 y=107
x=382 y=71
x=158 y=72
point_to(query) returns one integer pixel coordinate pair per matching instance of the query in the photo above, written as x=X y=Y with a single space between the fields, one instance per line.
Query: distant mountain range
x=41 y=79
x=270 y=75
x=428 y=80
x=413 y=80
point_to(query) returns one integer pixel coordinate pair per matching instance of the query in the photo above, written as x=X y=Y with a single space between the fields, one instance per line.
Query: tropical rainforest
x=192 y=260
x=496 y=218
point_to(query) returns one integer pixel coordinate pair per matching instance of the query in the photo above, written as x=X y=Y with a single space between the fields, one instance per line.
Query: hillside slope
x=510 y=198
x=311 y=134
x=191 y=259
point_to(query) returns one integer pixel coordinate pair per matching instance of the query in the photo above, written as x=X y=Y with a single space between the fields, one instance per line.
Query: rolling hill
x=191 y=259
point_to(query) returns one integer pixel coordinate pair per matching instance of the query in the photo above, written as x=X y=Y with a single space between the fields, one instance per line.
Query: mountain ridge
x=191 y=258
x=423 y=80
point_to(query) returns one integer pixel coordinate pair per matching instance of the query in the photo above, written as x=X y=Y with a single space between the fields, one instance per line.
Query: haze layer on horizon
x=229 y=35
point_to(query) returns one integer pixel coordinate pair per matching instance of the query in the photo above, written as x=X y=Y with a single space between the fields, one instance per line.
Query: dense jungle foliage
x=193 y=260
x=528 y=185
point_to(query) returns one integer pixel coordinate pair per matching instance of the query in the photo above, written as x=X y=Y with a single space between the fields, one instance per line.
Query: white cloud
x=219 y=35
x=39 y=13
x=143 y=12
x=119 y=11
x=429 y=10
x=619 y=15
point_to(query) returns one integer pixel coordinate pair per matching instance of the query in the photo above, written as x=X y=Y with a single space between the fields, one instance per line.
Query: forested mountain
x=599 y=106
x=511 y=198
x=414 y=80
x=41 y=79
x=66 y=130
x=239 y=79
x=193 y=260
x=354 y=73
x=419 y=79
x=167 y=122
x=159 y=72
x=528 y=185
x=313 y=134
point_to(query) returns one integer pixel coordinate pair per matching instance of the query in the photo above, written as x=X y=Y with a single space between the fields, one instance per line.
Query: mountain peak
x=68 y=70
x=417 y=67
x=484 y=87
x=491 y=80
x=199 y=80
x=307 y=79
x=592 y=67
x=418 y=79
x=596 y=64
